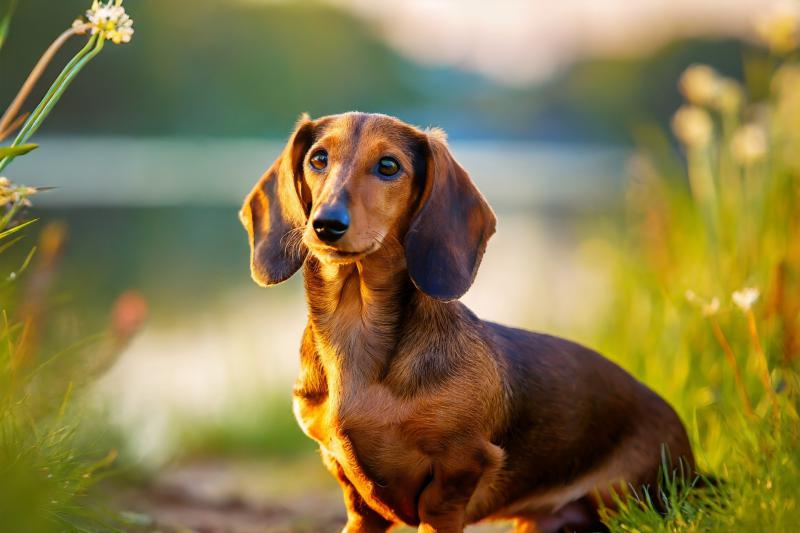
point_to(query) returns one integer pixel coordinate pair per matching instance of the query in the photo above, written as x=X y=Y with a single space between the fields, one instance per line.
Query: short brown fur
x=425 y=414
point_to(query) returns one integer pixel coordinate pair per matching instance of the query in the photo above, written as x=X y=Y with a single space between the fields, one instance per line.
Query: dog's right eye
x=319 y=161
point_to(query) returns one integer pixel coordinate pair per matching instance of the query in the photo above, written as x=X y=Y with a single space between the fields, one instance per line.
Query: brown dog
x=427 y=415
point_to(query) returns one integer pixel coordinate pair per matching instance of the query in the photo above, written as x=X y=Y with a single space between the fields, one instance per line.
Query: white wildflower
x=11 y=193
x=711 y=308
x=693 y=126
x=80 y=26
x=729 y=97
x=779 y=28
x=749 y=144
x=708 y=308
x=745 y=298
x=109 y=20
x=786 y=81
x=699 y=84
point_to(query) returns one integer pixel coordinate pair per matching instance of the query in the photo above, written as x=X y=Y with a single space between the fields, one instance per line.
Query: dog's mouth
x=334 y=255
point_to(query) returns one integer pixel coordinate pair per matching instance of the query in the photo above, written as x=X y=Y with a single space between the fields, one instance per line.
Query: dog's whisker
x=292 y=242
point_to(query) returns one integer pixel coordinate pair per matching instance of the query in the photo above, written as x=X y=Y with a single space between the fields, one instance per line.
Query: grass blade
x=5 y=23
x=15 y=229
x=15 y=151
x=92 y=48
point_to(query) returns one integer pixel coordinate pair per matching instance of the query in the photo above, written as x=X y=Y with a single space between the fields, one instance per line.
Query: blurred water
x=156 y=172
x=161 y=217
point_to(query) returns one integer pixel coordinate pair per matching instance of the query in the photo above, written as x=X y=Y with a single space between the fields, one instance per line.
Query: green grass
x=45 y=470
x=45 y=467
x=693 y=237
x=269 y=430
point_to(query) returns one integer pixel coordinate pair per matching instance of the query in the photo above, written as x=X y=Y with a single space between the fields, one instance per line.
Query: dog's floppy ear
x=273 y=213
x=448 y=234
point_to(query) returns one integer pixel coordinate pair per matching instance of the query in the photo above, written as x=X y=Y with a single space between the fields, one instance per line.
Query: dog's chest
x=371 y=432
x=367 y=431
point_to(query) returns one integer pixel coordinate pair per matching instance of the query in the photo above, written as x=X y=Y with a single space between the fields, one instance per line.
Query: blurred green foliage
x=45 y=471
x=220 y=68
x=211 y=67
x=269 y=430
x=708 y=297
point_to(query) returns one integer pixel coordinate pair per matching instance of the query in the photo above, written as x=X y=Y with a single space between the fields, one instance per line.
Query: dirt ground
x=221 y=496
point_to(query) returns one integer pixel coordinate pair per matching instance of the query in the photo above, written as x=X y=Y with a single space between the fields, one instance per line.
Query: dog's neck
x=356 y=312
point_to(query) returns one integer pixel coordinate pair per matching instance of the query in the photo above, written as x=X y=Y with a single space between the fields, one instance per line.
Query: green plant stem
x=703 y=189
x=6 y=219
x=94 y=46
x=731 y=358
x=38 y=121
x=8 y=117
x=766 y=380
x=58 y=81
x=5 y=23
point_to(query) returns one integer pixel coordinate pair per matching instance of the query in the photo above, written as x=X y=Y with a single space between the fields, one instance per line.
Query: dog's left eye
x=388 y=167
x=319 y=161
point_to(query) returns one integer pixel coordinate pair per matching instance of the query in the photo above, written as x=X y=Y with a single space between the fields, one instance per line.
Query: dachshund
x=425 y=414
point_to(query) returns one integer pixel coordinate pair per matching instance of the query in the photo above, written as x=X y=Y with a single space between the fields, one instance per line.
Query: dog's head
x=347 y=185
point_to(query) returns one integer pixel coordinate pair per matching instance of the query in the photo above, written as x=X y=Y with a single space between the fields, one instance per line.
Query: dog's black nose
x=331 y=223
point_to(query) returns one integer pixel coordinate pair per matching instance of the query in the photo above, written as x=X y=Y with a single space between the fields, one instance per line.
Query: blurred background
x=153 y=148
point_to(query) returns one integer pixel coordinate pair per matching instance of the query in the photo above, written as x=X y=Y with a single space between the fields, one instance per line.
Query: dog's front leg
x=443 y=502
x=361 y=518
